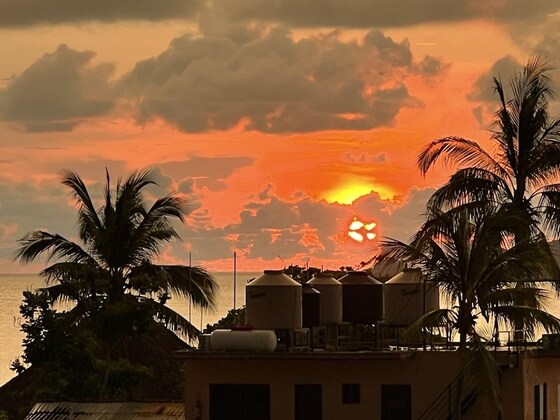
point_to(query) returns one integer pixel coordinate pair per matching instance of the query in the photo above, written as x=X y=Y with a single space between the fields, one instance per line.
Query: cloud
x=484 y=93
x=58 y=91
x=380 y=13
x=18 y=13
x=317 y=229
x=26 y=207
x=274 y=229
x=403 y=220
x=294 y=13
x=218 y=168
x=503 y=70
x=268 y=227
x=432 y=68
x=266 y=80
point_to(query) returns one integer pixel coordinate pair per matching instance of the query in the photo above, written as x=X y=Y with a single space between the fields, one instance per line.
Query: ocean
x=12 y=287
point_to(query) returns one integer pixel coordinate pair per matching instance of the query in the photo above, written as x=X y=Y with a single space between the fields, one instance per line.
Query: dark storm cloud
x=503 y=70
x=270 y=82
x=381 y=13
x=57 y=92
x=19 y=13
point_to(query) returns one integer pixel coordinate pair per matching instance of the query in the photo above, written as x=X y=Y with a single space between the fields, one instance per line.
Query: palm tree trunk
x=461 y=381
x=107 y=370
x=464 y=325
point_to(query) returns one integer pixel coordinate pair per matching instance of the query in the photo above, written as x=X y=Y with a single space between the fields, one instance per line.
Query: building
x=376 y=385
x=338 y=366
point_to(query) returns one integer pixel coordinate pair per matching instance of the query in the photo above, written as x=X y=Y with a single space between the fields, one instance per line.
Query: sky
x=280 y=122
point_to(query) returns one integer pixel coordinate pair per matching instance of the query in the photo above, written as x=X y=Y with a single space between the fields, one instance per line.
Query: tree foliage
x=119 y=242
x=482 y=241
x=99 y=329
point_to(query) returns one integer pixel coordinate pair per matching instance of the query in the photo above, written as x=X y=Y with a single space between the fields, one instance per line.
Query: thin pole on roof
x=234 y=279
x=190 y=285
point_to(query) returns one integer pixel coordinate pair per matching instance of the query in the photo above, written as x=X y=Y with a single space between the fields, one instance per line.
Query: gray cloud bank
x=58 y=91
x=381 y=13
x=262 y=77
x=275 y=83
x=294 y=13
x=20 y=13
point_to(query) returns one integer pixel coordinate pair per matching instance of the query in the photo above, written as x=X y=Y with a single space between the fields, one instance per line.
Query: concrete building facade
x=376 y=385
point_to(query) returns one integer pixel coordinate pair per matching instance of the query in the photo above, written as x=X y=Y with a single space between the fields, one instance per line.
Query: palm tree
x=471 y=253
x=526 y=161
x=114 y=261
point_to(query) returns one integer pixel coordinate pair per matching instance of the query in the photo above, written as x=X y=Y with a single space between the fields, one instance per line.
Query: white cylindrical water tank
x=273 y=301
x=251 y=340
x=331 y=297
x=408 y=297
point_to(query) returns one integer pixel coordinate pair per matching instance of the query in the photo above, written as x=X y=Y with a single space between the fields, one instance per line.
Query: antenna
x=234 y=279
x=190 y=285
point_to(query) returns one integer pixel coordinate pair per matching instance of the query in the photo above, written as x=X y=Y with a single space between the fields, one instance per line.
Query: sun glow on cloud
x=351 y=191
x=348 y=193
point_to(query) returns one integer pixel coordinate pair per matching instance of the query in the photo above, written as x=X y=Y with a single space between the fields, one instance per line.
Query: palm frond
x=470 y=185
x=174 y=320
x=54 y=246
x=189 y=283
x=457 y=151
x=61 y=293
x=482 y=370
x=88 y=220
x=530 y=317
x=534 y=297
x=437 y=319
x=155 y=229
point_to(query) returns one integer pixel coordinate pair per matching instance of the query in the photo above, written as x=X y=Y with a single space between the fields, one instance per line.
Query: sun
x=361 y=231
x=348 y=193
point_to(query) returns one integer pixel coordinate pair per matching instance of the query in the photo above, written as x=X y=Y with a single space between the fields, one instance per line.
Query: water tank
x=273 y=301
x=408 y=297
x=252 y=340
x=362 y=298
x=311 y=306
x=387 y=269
x=331 y=297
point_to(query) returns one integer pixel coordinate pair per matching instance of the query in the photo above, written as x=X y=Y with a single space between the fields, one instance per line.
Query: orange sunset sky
x=280 y=121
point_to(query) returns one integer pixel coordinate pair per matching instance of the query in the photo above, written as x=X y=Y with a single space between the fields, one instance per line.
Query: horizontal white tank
x=273 y=301
x=251 y=340
x=408 y=297
x=331 y=297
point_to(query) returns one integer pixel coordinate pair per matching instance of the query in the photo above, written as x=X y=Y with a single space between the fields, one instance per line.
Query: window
x=308 y=402
x=350 y=393
x=239 y=402
x=396 y=402
x=540 y=401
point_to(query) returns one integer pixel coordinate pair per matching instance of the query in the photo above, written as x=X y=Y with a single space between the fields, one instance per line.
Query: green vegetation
x=482 y=241
x=112 y=341
x=234 y=317
x=119 y=242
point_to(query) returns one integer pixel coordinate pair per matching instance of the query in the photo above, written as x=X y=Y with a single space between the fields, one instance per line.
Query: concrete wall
x=428 y=373
x=544 y=368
